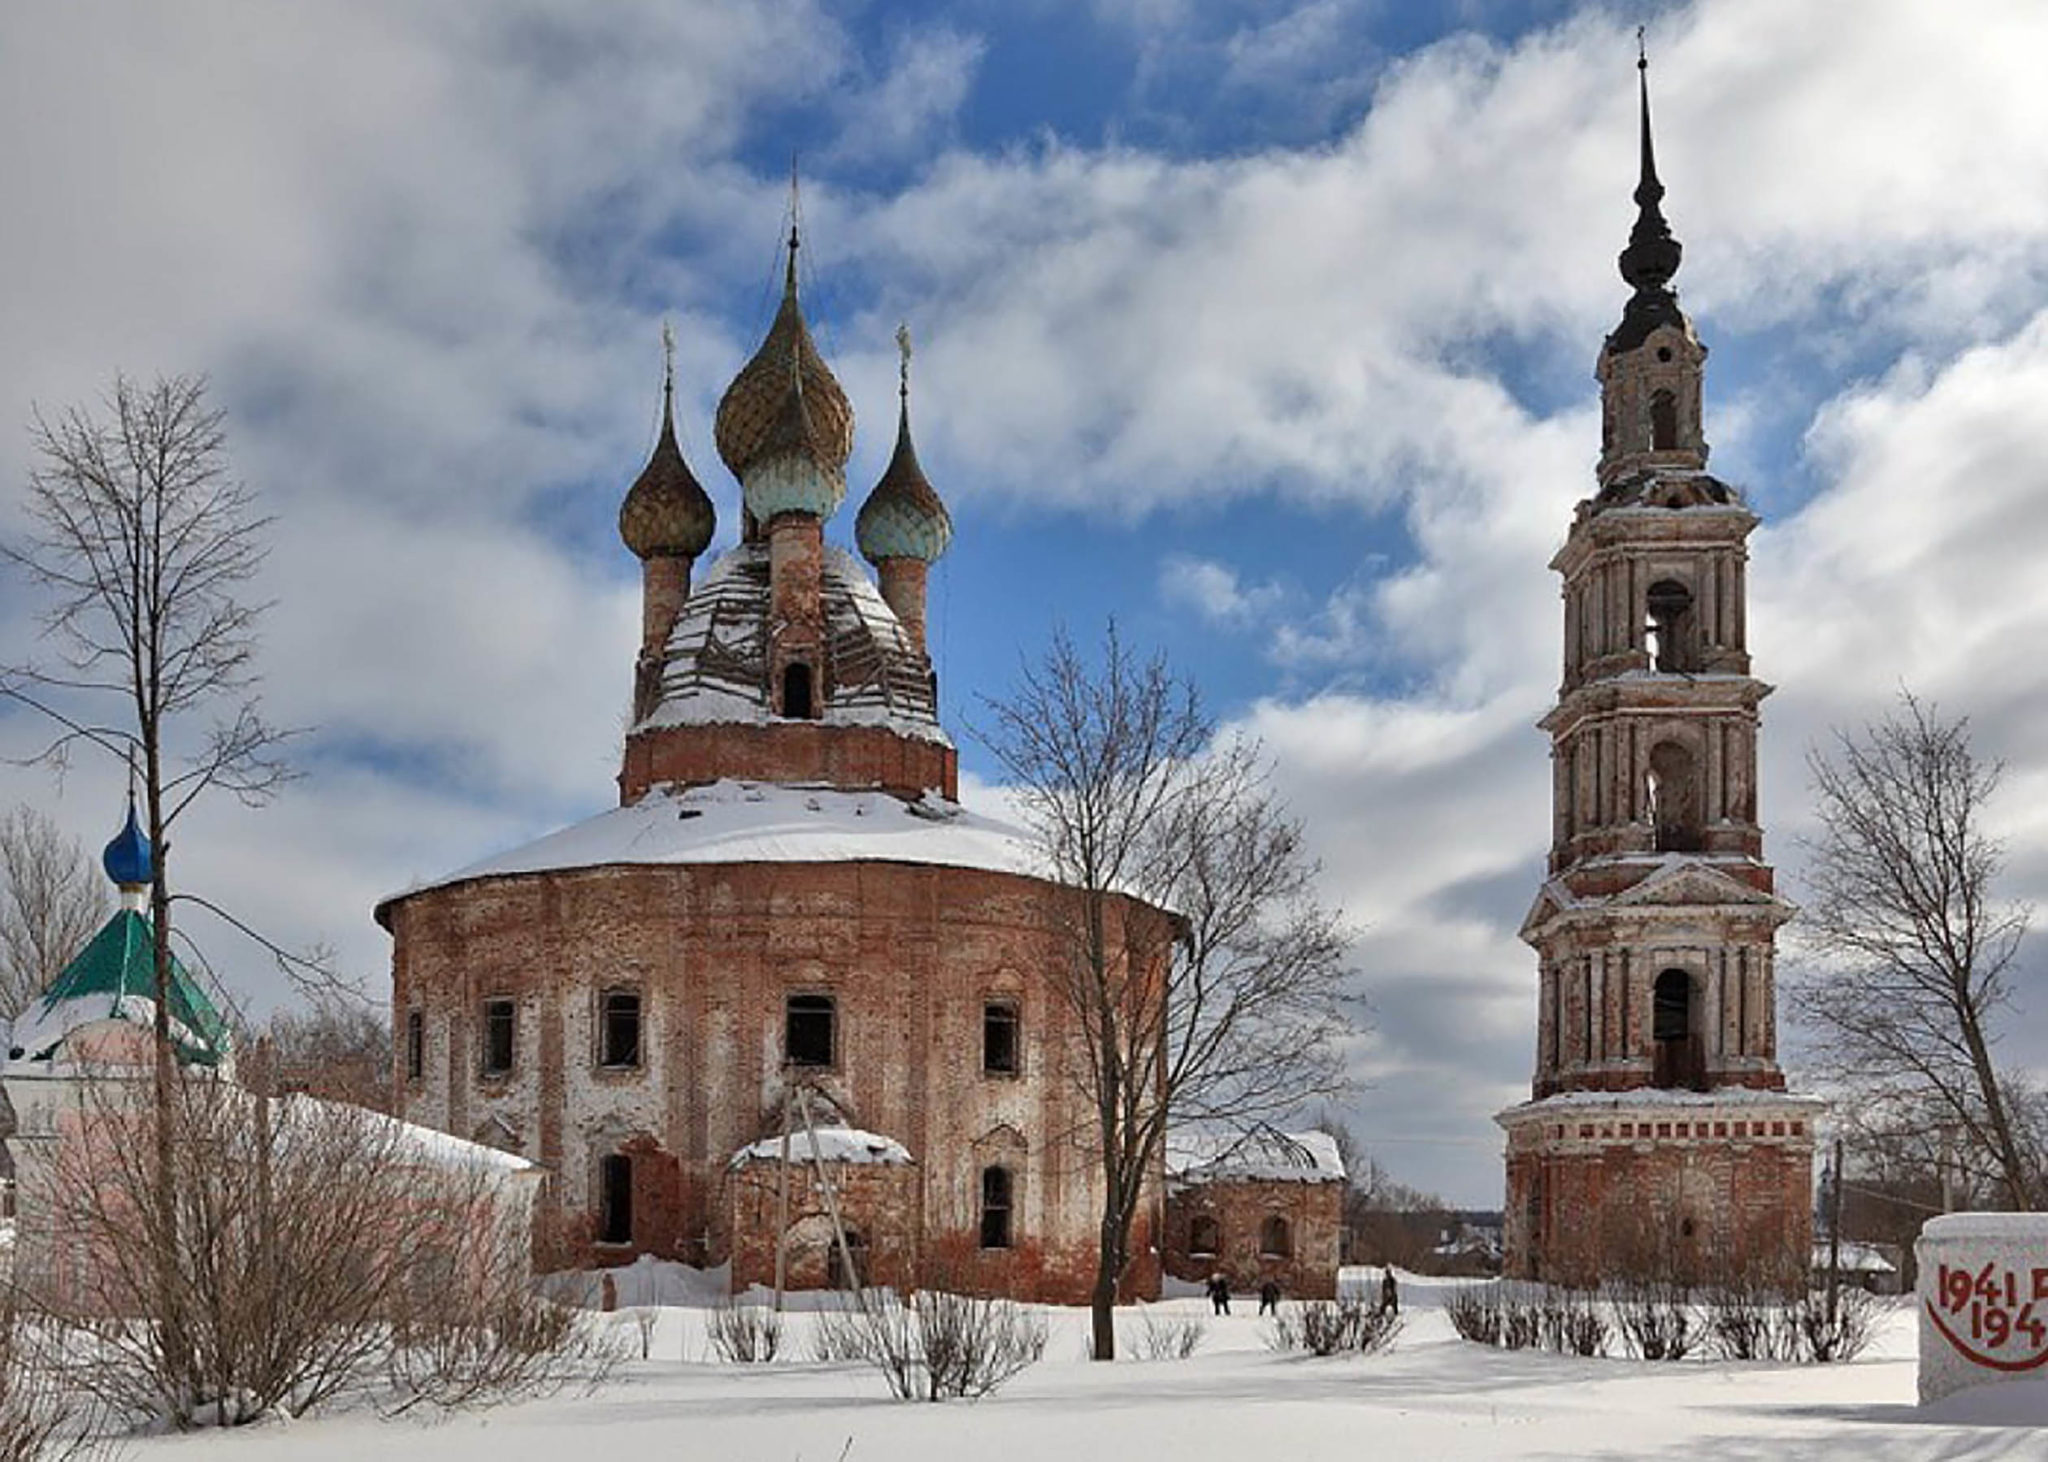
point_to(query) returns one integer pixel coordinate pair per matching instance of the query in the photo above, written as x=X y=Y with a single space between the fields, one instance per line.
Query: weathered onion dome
x=790 y=471
x=758 y=399
x=667 y=513
x=904 y=516
x=127 y=858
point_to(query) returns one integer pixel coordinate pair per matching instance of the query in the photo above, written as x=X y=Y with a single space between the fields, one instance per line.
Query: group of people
x=1218 y=1290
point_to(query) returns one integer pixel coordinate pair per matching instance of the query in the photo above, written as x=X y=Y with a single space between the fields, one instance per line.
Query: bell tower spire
x=1651 y=368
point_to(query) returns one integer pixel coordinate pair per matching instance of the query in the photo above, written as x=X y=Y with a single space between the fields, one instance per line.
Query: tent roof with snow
x=114 y=978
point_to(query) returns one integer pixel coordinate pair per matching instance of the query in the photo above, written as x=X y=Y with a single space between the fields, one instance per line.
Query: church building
x=788 y=927
x=1659 y=1137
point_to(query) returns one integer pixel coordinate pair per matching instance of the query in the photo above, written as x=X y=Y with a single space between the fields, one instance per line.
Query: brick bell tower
x=1659 y=1137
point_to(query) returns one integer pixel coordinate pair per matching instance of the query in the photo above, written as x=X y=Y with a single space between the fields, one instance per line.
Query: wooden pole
x=782 y=1204
x=1835 y=1235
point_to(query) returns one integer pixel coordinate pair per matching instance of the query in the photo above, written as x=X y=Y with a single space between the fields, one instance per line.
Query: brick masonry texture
x=1240 y=1210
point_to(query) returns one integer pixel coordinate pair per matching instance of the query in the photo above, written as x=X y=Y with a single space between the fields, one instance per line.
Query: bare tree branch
x=52 y=901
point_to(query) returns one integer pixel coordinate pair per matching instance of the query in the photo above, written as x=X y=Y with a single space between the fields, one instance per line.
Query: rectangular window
x=415 y=1045
x=809 y=1037
x=995 y=1208
x=500 y=1018
x=618 y=1037
x=999 y=1039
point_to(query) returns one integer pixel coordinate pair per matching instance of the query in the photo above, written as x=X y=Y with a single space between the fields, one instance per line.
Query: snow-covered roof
x=1262 y=1154
x=750 y=822
x=833 y=1144
x=1855 y=1258
x=114 y=978
x=1566 y=1103
x=715 y=664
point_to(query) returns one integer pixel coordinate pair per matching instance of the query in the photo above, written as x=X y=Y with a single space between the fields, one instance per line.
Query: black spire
x=1652 y=255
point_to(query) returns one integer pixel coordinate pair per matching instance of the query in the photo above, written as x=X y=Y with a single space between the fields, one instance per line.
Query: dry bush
x=1656 y=1318
x=1330 y=1327
x=840 y=1334
x=1837 y=1332
x=1166 y=1337
x=1529 y=1317
x=44 y=1415
x=938 y=1346
x=303 y=1247
x=743 y=1333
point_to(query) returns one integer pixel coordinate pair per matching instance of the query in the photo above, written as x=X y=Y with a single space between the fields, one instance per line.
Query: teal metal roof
x=114 y=978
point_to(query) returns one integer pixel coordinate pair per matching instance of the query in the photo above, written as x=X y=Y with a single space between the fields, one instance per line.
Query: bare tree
x=1914 y=950
x=52 y=900
x=1205 y=980
x=145 y=546
x=335 y=1047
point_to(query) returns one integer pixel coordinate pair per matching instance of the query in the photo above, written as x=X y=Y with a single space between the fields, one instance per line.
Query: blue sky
x=1266 y=328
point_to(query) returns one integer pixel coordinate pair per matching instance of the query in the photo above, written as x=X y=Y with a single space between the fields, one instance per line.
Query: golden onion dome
x=757 y=400
x=667 y=513
x=903 y=517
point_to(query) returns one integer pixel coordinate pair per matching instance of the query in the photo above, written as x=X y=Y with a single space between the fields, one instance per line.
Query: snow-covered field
x=1431 y=1396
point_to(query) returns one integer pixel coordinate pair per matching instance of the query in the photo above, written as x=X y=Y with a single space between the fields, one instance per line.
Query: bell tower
x=1659 y=1136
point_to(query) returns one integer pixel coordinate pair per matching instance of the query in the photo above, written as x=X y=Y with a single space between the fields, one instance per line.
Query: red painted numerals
x=1995 y=1307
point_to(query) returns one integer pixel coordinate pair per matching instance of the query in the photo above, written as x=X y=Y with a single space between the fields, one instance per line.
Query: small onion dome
x=667 y=513
x=127 y=858
x=790 y=472
x=758 y=398
x=904 y=516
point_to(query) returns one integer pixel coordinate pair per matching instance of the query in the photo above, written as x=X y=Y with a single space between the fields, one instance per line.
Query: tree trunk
x=2016 y=1185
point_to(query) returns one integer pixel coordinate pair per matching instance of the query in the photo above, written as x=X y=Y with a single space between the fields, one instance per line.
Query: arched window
x=1663 y=422
x=1671 y=1006
x=1673 y=796
x=1205 y=1236
x=615 y=1199
x=796 y=691
x=995 y=1208
x=1276 y=1240
x=1670 y=630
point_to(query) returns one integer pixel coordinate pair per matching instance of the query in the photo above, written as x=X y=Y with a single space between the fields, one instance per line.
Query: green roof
x=114 y=978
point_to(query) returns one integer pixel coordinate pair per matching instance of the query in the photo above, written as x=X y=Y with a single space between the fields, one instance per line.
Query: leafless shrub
x=1475 y=1313
x=744 y=1334
x=305 y=1247
x=1656 y=1318
x=941 y=1344
x=1530 y=1317
x=1834 y=1332
x=841 y=1334
x=1166 y=1337
x=1346 y=1325
x=44 y=1417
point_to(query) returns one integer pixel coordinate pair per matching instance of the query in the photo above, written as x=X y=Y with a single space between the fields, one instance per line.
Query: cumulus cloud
x=1214 y=591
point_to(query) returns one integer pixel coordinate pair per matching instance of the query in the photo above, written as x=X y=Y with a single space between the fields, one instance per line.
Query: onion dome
x=667 y=513
x=127 y=858
x=758 y=402
x=904 y=516
x=790 y=472
x=1653 y=254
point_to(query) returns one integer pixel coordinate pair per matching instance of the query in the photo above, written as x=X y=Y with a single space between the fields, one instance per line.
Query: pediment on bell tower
x=1692 y=885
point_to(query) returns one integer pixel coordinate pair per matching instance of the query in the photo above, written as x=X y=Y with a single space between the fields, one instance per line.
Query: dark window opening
x=1670 y=630
x=1671 y=1006
x=1205 y=1235
x=615 y=1199
x=1673 y=796
x=500 y=1017
x=619 y=1029
x=836 y=1274
x=796 y=691
x=808 y=1030
x=1663 y=422
x=995 y=1208
x=415 y=1045
x=999 y=1052
x=1275 y=1239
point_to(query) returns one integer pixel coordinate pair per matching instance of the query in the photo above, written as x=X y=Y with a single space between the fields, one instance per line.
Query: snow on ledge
x=832 y=1144
x=1261 y=1155
x=764 y=822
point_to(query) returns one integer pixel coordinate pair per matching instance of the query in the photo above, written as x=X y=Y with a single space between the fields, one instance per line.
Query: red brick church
x=788 y=921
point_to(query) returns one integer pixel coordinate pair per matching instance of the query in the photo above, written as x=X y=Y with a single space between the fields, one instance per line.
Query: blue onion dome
x=127 y=858
x=758 y=400
x=791 y=472
x=904 y=516
x=667 y=513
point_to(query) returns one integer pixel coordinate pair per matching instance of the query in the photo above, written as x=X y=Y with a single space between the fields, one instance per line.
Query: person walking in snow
x=1390 y=1295
x=1269 y=1297
x=1219 y=1294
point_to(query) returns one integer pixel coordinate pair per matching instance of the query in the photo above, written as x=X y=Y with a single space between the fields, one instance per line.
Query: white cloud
x=1214 y=591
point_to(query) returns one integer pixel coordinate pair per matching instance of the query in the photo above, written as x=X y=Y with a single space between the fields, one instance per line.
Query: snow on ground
x=1432 y=1396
